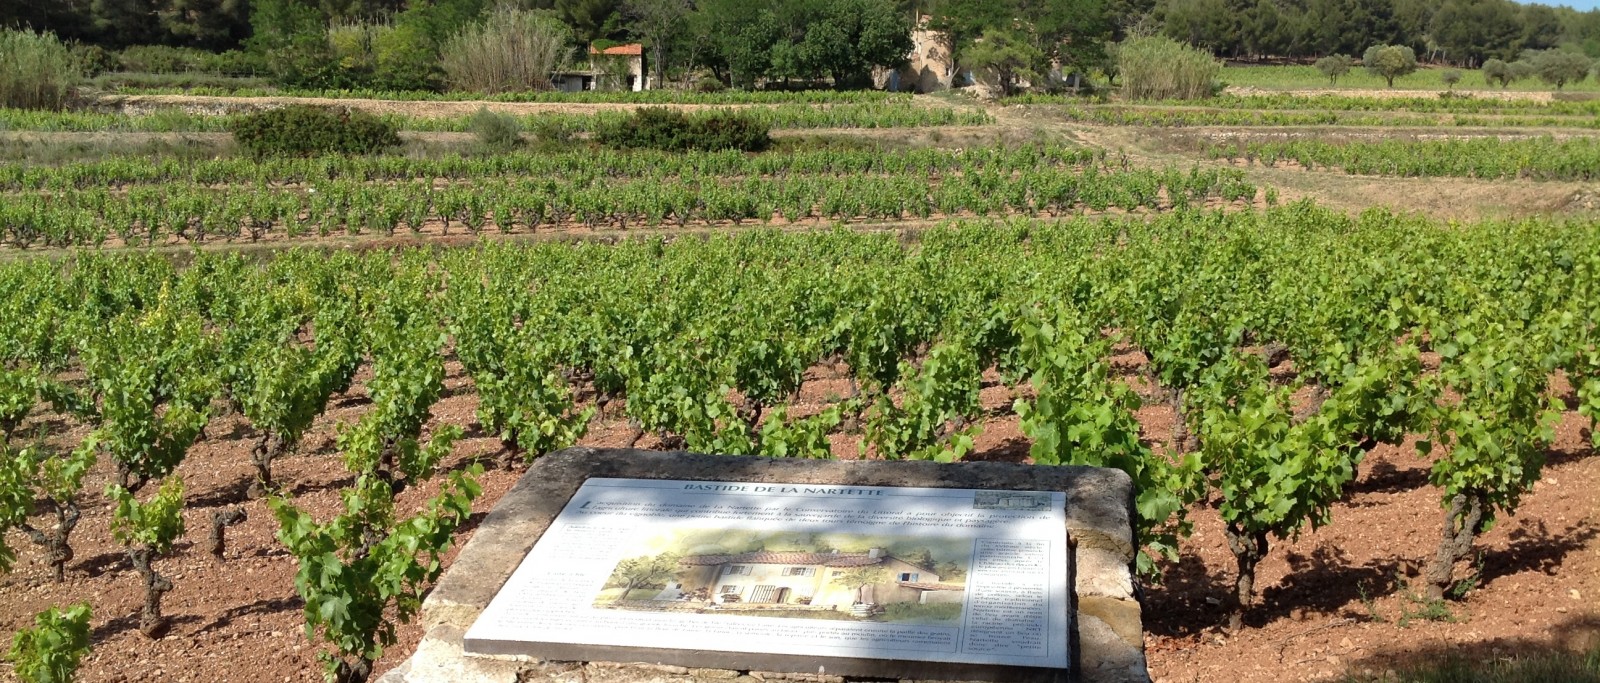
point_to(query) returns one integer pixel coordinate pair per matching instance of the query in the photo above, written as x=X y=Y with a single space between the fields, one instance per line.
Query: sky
x=1580 y=5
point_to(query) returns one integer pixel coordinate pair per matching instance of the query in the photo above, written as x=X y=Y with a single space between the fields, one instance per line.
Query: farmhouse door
x=767 y=594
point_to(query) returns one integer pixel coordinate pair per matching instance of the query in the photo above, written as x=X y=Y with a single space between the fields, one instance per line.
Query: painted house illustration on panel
x=827 y=579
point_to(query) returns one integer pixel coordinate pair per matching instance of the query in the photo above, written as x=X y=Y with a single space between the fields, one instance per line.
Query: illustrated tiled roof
x=629 y=50
x=925 y=586
x=797 y=559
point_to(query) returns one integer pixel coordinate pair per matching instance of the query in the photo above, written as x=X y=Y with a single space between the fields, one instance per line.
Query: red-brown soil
x=240 y=619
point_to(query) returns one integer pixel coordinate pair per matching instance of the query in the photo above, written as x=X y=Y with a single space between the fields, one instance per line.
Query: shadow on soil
x=130 y=622
x=303 y=488
x=1384 y=477
x=1326 y=581
x=1544 y=657
x=1190 y=601
x=264 y=606
x=1534 y=548
x=1011 y=450
x=232 y=494
x=104 y=562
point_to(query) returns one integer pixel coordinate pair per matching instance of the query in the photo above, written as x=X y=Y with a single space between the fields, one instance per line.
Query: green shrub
x=496 y=131
x=162 y=59
x=672 y=130
x=552 y=129
x=1333 y=66
x=383 y=55
x=37 y=70
x=300 y=130
x=709 y=84
x=1450 y=77
x=1558 y=68
x=1156 y=67
x=1389 y=61
x=93 y=60
x=49 y=652
x=511 y=51
x=1496 y=71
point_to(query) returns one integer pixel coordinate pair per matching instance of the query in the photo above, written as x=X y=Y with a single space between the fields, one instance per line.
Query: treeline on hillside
x=1462 y=32
x=409 y=44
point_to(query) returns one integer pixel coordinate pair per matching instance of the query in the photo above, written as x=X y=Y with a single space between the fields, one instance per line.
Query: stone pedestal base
x=1107 y=636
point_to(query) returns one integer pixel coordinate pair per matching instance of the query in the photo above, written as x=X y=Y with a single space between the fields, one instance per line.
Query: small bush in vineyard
x=674 y=131
x=148 y=531
x=50 y=651
x=300 y=130
x=495 y=131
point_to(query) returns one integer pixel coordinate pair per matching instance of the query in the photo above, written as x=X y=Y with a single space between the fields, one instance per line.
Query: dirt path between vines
x=1441 y=197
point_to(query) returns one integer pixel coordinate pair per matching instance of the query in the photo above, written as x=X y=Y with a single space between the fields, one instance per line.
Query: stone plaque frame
x=1105 y=635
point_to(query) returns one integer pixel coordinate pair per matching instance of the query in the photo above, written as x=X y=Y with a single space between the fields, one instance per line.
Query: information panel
x=860 y=572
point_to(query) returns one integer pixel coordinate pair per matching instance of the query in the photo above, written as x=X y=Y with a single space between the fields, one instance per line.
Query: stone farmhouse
x=619 y=67
x=805 y=578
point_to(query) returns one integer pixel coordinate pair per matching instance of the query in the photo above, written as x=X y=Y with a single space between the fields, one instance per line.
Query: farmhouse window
x=729 y=589
x=909 y=576
x=799 y=571
x=736 y=569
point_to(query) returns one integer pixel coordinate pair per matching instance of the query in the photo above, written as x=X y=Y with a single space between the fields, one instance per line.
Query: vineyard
x=730 y=97
x=1290 y=342
x=870 y=114
x=1451 y=103
x=1531 y=159
x=595 y=199
x=249 y=407
x=1177 y=116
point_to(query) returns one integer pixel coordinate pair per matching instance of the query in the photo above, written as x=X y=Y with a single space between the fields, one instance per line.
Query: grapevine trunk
x=1248 y=548
x=151 y=623
x=220 y=521
x=55 y=541
x=1462 y=522
x=261 y=456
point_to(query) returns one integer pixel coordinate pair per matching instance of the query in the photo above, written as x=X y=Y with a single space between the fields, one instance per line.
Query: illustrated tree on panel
x=642 y=572
x=859 y=579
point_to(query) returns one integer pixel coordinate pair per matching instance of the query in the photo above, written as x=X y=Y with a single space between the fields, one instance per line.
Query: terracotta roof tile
x=631 y=50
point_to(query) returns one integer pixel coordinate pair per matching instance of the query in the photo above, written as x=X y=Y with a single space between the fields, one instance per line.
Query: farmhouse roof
x=629 y=50
x=824 y=559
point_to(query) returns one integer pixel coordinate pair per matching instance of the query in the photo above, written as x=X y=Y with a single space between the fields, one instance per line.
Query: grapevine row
x=887 y=114
x=189 y=214
x=1533 y=158
x=1119 y=115
x=575 y=167
x=663 y=96
x=705 y=344
x=1454 y=103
